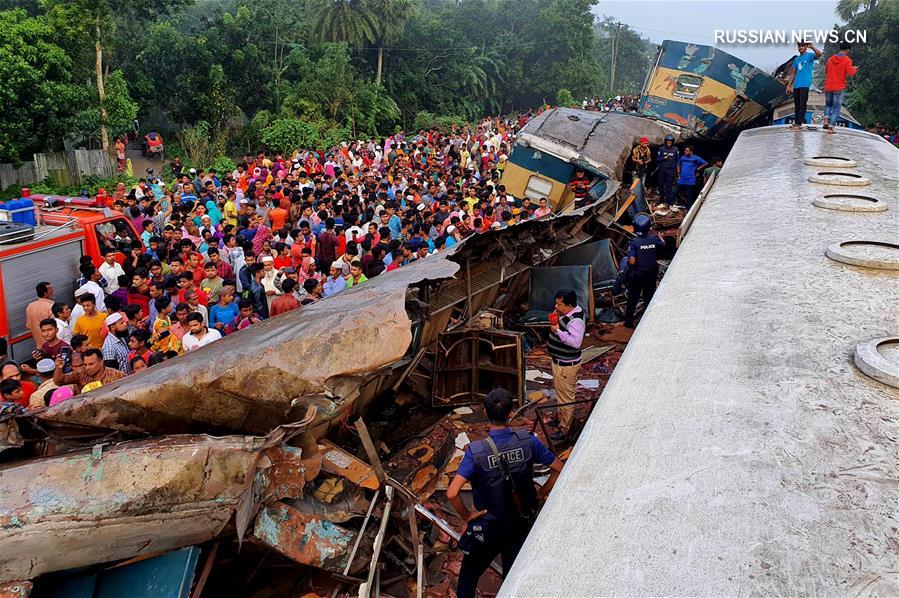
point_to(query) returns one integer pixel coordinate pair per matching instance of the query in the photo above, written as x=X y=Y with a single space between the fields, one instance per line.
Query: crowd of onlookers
x=220 y=251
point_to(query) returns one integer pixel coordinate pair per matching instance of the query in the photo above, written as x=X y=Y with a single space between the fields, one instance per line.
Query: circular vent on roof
x=839 y=178
x=879 y=255
x=850 y=203
x=830 y=162
x=879 y=358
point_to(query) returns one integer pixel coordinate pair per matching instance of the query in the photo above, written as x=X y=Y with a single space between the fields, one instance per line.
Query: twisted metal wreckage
x=272 y=398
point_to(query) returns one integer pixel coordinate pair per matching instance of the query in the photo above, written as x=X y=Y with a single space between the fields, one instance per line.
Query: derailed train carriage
x=555 y=143
x=707 y=91
x=109 y=467
x=746 y=442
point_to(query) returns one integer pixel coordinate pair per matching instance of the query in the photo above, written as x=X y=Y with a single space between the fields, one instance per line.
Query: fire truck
x=42 y=239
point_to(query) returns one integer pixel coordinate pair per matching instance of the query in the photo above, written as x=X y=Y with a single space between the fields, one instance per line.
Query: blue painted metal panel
x=166 y=576
x=708 y=61
x=541 y=163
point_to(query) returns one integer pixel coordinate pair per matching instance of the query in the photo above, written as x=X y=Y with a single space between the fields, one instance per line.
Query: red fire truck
x=65 y=229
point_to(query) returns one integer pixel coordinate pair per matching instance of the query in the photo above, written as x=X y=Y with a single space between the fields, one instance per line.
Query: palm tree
x=391 y=17
x=846 y=9
x=349 y=21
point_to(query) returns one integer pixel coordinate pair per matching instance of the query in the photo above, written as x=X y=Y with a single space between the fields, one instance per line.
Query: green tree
x=390 y=18
x=40 y=101
x=634 y=56
x=847 y=9
x=96 y=21
x=350 y=21
x=872 y=95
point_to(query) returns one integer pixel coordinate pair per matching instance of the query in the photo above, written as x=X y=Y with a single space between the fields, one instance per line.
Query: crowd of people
x=220 y=251
x=620 y=103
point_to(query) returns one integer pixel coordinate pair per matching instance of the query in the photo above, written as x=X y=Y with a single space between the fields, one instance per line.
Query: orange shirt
x=277 y=216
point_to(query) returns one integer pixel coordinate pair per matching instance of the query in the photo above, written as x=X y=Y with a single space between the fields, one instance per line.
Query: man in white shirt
x=61 y=313
x=200 y=335
x=111 y=270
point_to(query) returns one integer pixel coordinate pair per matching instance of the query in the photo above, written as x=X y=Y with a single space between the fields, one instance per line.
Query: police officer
x=667 y=158
x=501 y=471
x=642 y=256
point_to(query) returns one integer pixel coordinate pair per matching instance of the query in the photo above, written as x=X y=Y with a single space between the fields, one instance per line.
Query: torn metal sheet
x=304 y=538
x=340 y=462
x=268 y=374
x=134 y=498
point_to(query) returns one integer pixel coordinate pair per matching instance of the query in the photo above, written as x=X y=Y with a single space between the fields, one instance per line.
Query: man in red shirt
x=838 y=67
x=286 y=302
x=223 y=268
x=327 y=246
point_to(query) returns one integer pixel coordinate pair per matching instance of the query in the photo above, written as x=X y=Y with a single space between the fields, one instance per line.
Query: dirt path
x=139 y=163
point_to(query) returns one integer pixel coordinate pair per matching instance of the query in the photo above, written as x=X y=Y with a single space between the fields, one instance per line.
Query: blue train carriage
x=784 y=114
x=555 y=143
x=707 y=91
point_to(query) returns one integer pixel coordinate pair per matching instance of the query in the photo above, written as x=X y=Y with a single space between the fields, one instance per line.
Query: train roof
x=737 y=449
x=599 y=141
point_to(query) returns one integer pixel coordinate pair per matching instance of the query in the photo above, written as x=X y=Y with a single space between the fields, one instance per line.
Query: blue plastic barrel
x=12 y=206
x=29 y=216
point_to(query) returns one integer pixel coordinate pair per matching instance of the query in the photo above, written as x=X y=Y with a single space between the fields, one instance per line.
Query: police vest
x=668 y=157
x=491 y=491
x=647 y=253
x=559 y=350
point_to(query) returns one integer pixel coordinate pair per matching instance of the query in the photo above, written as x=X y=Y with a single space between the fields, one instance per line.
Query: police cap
x=642 y=224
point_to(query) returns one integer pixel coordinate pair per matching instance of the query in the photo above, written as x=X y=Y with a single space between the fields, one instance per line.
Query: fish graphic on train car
x=673 y=116
x=708 y=100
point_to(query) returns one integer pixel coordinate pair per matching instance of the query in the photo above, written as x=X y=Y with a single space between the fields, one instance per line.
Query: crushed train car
x=707 y=92
x=555 y=143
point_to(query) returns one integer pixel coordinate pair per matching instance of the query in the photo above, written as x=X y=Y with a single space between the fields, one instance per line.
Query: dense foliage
x=250 y=74
x=873 y=94
x=228 y=76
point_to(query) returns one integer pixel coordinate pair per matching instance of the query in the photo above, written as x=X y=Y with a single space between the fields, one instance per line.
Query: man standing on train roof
x=500 y=469
x=836 y=69
x=801 y=80
x=667 y=157
x=642 y=259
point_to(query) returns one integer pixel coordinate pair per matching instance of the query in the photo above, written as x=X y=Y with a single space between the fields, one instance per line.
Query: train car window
x=687 y=86
x=537 y=188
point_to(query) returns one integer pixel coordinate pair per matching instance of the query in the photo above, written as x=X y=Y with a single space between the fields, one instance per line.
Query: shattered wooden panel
x=116 y=502
x=304 y=538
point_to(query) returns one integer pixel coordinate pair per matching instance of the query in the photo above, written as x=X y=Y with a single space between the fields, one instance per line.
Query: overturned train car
x=707 y=92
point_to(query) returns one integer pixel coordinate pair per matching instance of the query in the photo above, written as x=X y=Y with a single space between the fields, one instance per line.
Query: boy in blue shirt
x=801 y=80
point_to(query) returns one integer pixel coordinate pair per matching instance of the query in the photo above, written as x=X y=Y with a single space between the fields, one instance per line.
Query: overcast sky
x=697 y=20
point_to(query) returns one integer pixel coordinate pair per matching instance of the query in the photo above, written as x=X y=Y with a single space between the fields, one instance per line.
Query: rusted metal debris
x=305 y=499
x=306 y=539
x=136 y=498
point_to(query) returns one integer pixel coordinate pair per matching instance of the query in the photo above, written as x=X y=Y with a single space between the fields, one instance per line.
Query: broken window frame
x=533 y=193
x=687 y=86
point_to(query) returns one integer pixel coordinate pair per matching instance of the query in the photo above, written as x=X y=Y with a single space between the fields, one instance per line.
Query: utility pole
x=614 y=57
